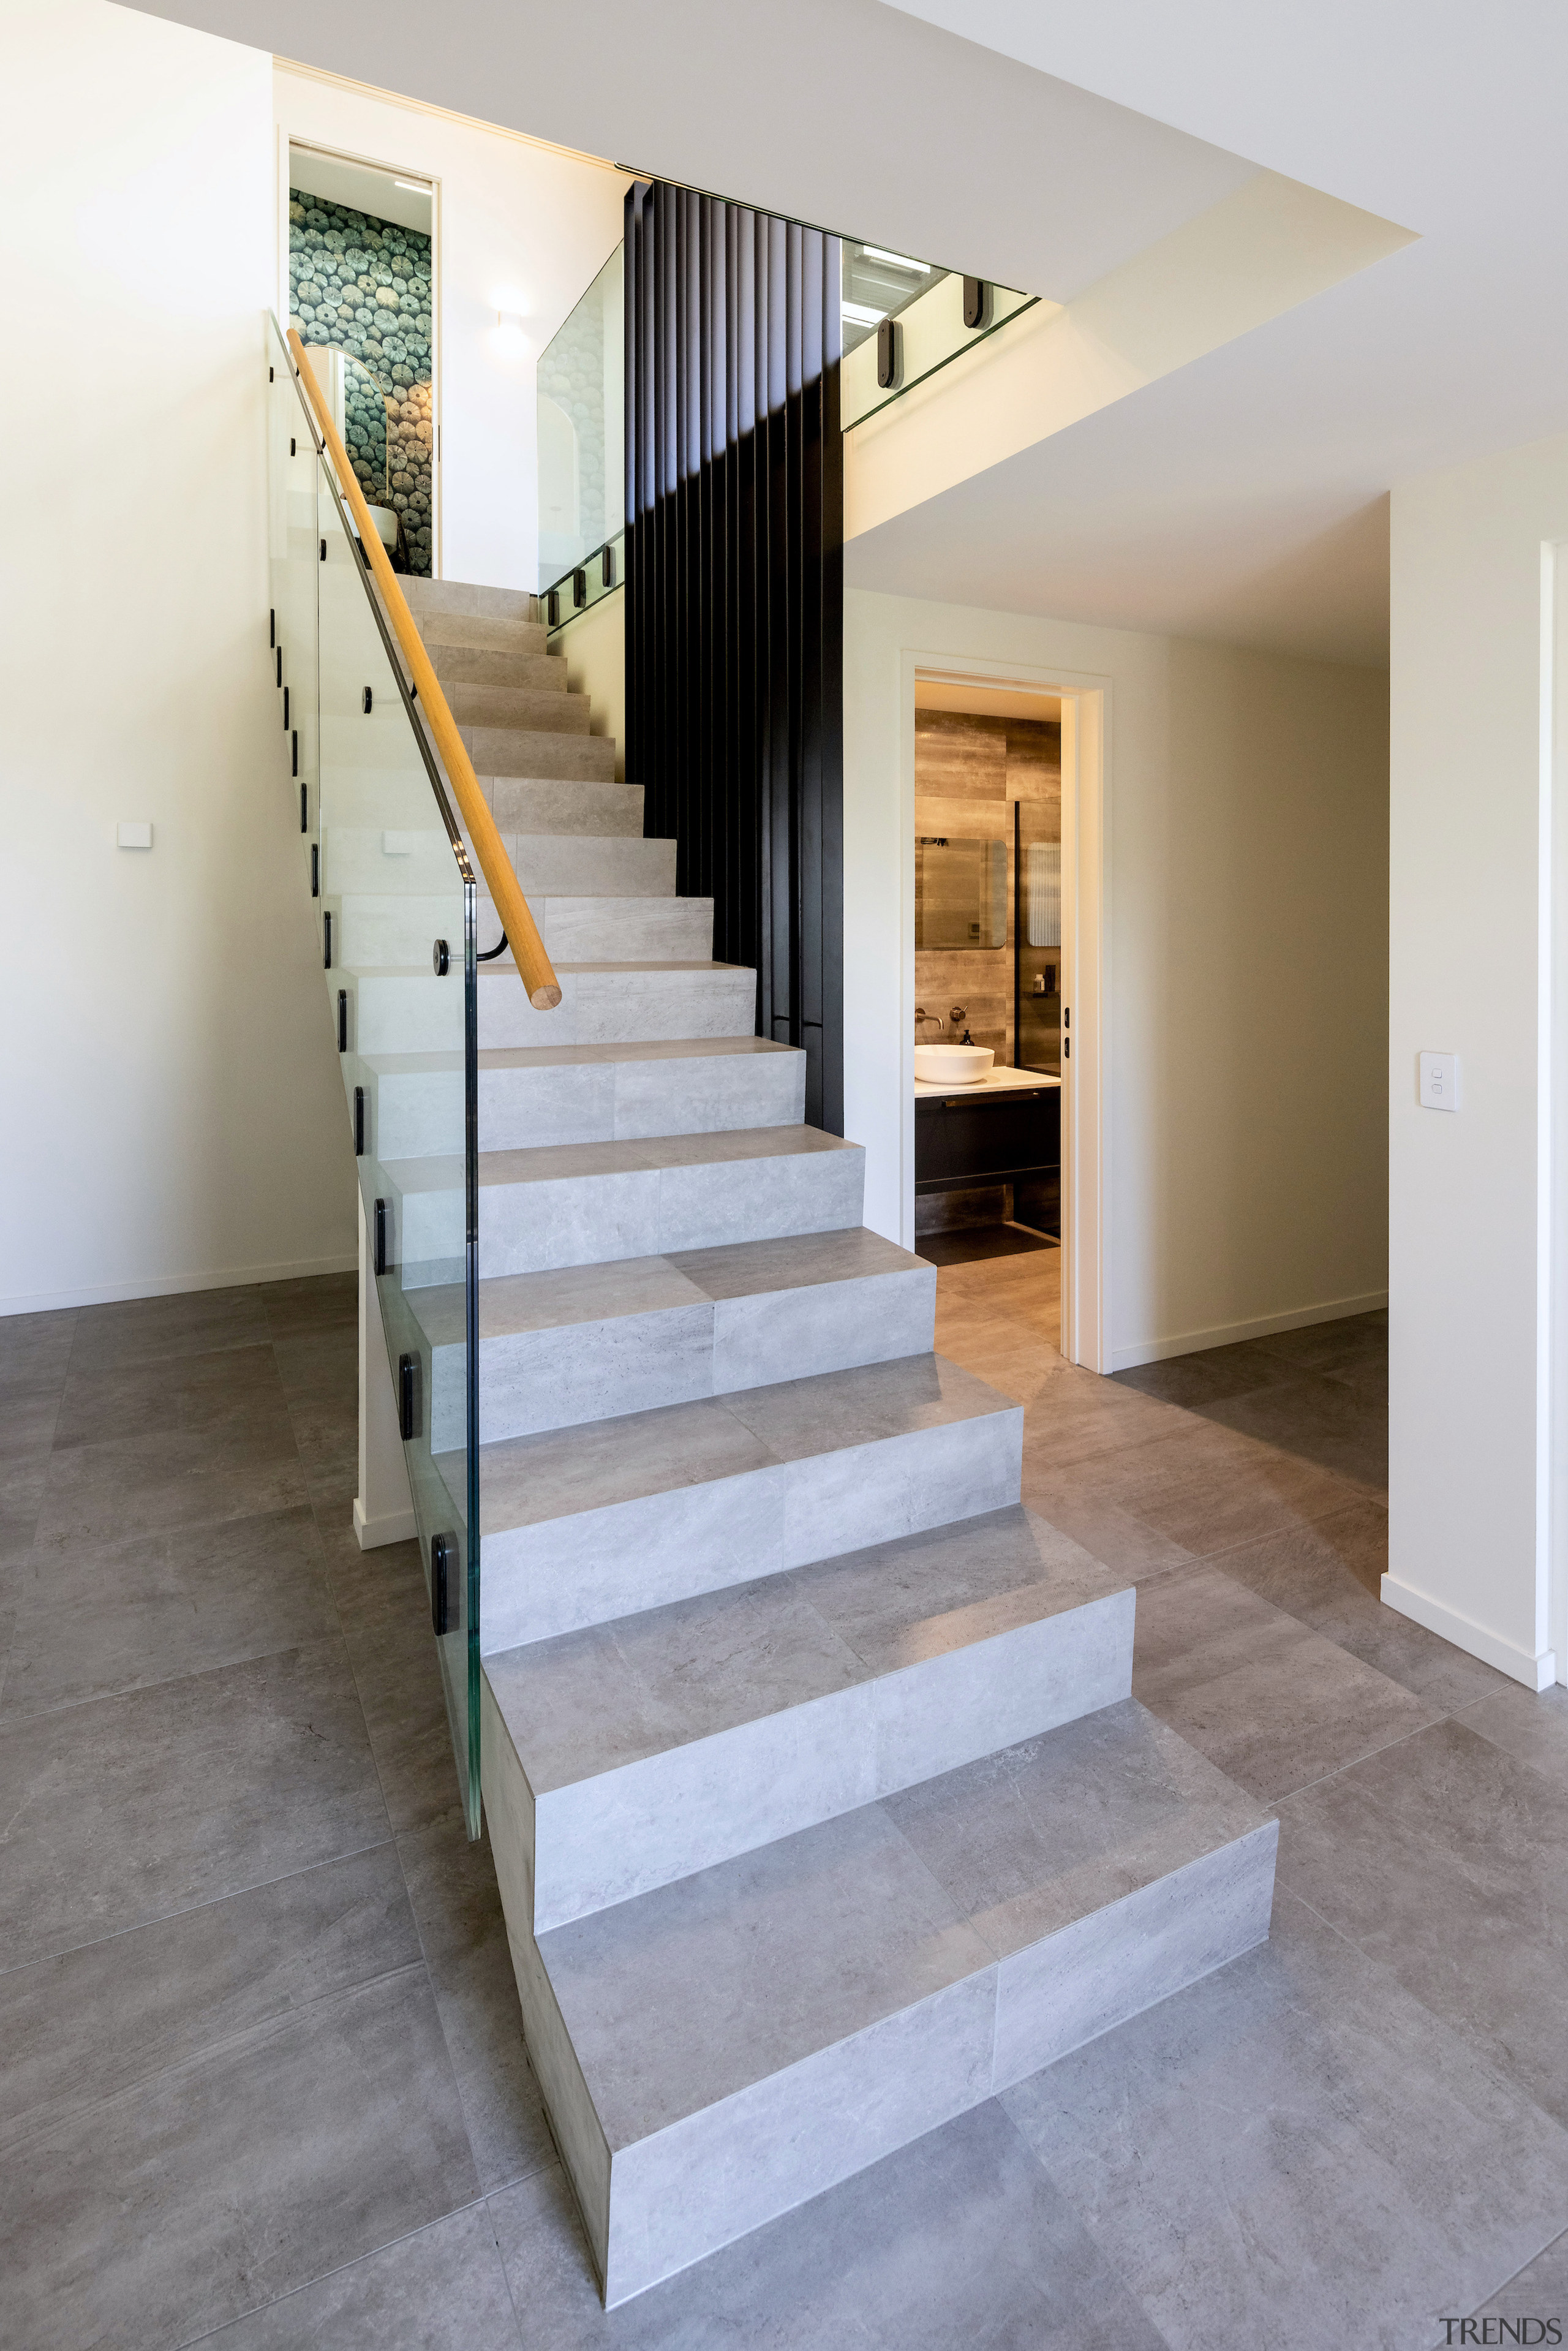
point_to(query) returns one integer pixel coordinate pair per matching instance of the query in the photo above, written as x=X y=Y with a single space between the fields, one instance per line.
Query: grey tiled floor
x=261 y=2077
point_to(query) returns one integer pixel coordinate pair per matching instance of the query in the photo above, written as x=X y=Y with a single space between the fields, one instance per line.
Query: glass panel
x=293 y=562
x=961 y=893
x=582 y=479
x=584 y=585
x=926 y=308
x=391 y=886
x=1039 y=937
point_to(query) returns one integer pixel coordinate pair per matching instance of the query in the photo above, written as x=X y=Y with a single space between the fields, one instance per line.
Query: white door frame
x=1086 y=907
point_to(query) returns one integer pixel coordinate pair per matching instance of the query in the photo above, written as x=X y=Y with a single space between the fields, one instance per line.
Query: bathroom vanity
x=1005 y=1130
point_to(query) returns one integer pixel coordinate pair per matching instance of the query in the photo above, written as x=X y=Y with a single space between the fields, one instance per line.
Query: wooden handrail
x=516 y=921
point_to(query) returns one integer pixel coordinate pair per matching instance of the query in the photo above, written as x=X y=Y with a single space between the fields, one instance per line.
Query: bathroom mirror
x=961 y=893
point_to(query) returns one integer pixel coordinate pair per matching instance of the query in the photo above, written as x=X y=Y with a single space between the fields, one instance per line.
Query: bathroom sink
x=952 y=1065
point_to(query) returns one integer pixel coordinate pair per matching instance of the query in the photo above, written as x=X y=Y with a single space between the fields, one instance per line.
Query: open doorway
x=362 y=293
x=987 y=964
x=1006 y=818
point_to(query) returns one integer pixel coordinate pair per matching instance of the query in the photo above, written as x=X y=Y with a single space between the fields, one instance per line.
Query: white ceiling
x=1241 y=497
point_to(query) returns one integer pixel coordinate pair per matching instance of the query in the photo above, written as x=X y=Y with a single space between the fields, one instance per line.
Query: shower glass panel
x=581 y=432
x=1037 y=934
x=961 y=893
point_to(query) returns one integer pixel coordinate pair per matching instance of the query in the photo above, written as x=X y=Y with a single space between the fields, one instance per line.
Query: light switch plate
x=1439 y=1081
x=135 y=836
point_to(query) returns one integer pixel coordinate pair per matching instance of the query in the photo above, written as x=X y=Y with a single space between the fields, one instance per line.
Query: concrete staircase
x=819 y=1803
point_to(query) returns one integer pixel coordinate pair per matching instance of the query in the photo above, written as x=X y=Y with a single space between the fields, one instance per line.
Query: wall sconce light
x=509 y=333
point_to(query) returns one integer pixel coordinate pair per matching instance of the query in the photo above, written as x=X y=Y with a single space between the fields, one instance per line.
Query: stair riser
x=551 y=708
x=481 y=665
x=650 y=1212
x=650 y=1822
x=569 y=865
x=623 y=1007
x=538 y=751
x=427 y=599
x=529 y=804
x=595 y=1221
x=478 y=629
x=399 y=1014
x=717 y=2175
x=609 y=1102
x=607 y=930
x=609 y=1562
x=521 y=1109
x=534 y=1380
x=392 y=930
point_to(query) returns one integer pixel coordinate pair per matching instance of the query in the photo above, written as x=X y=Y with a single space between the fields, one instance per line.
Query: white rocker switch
x=1439 y=1081
x=135 y=836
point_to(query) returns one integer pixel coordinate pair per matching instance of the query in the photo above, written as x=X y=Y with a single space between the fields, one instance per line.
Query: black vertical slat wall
x=734 y=593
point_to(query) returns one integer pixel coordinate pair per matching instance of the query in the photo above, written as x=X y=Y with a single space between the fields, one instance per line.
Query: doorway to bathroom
x=361 y=256
x=1006 y=821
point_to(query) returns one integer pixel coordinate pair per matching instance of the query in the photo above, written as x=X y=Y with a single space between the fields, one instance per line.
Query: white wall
x=173 y=1111
x=594 y=645
x=1470 y=1260
x=517 y=225
x=1245 y=964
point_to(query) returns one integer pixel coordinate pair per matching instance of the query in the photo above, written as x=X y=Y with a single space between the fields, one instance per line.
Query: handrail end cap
x=544 y=999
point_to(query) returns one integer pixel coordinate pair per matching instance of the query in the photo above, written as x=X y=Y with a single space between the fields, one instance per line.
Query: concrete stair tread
x=555 y=1162
x=504 y=970
x=561 y=1473
x=561 y=1057
x=669 y=1049
x=592 y=1701
x=691 y=1993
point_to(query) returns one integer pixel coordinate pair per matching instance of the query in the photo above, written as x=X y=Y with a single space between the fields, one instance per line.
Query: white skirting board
x=173 y=1285
x=391 y=1526
x=1536 y=1672
x=1260 y=1326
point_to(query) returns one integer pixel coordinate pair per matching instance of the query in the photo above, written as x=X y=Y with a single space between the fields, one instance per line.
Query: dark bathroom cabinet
x=1003 y=1135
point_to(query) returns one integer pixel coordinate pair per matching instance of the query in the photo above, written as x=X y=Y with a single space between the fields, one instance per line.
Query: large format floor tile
x=83 y=2028
x=213 y=2186
x=1325 y=1573
x=99 y=1493
x=1446 y=1858
x=153 y=1330
x=95 y=1619
x=457 y=1909
x=442 y=2289
x=1269 y=1701
x=1297 y=2151
x=960 y=2238
x=132 y=1807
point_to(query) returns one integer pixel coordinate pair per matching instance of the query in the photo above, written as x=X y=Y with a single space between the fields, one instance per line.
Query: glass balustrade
x=394 y=897
x=581 y=439
x=904 y=318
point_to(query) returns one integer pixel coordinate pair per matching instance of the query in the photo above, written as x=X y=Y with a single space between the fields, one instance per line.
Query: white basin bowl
x=952 y=1065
